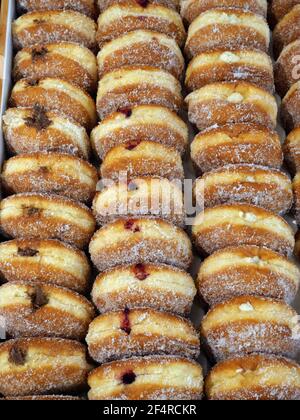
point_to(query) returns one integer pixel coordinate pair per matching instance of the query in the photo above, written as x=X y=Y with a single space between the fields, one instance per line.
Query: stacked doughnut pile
x=48 y=182
x=248 y=279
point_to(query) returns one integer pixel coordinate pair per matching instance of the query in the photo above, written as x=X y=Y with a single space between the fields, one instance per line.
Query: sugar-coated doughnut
x=260 y=186
x=141 y=332
x=140 y=197
x=231 y=102
x=286 y=69
x=129 y=86
x=171 y=4
x=291 y=149
x=141 y=48
x=159 y=287
x=42 y=365
x=34 y=310
x=255 y=377
x=236 y=144
x=70 y=62
x=144 y=123
x=140 y=241
x=44 y=27
x=87 y=7
x=241 y=224
x=287 y=30
x=227 y=66
x=44 y=398
x=279 y=8
x=145 y=158
x=191 y=9
x=228 y=29
x=249 y=324
x=44 y=261
x=122 y=18
x=147 y=378
x=296 y=189
x=28 y=130
x=55 y=173
x=290 y=107
x=43 y=216
x=56 y=95
x=247 y=270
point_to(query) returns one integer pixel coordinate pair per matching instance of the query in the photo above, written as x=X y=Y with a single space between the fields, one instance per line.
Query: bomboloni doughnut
x=143 y=123
x=287 y=30
x=31 y=310
x=279 y=8
x=56 y=95
x=267 y=188
x=236 y=144
x=120 y=19
x=228 y=29
x=159 y=287
x=250 y=324
x=50 y=173
x=226 y=66
x=171 y=4
x=256 y=377
x=286 y=69
x=144 y=158
x=191 y=9
x=290 y=107
x=229 y=103
x=241 y=224
x=42 y=365
x=247 y=270
x=296 y=189
x=141 y=48
x=141 y=332
x=140 y=197
x=140 y=241
x=130 y=86
x=28 y=130
x=147 y=378
x=45 y=27
x=87 y=7
x=44 y=216
x=70 y=62
x=291 y=149
x=44 y=261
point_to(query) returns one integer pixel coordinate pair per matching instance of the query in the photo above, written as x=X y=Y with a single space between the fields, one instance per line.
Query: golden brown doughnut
x=147 y=378
x=42 y=365
x=44 y=27
x=290 y=107
x=296 y=189
x=241 y=224
x=171 y=4
x=140 y=241
x=287 y=70
x=250 y=324
x=33 y=310
x=159 y=287
x=236 y=144
x=287 y=30
x=247 y=270
x=279 y=8
x=256 y=377
x=87 y=7
x=291 y=149
x=44 y=216
x=44 y=261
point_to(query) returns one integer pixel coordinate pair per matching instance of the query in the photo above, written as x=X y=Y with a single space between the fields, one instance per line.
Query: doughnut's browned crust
x=171 y=4
x=291 y=149
x=290 y=107
x=140 y=241
x=87 y=7
x=141 y=332
x=287 y=69
x=296 y=189
x=287 y=30
x=241 y=224
x=191 y=9
x=250 y=324
x=56 y=95
x=279 y=8
x=155 y=378
x=267 y=188
x=28 y=130
x=247 y=270
x=44 y=398
x=44 y=261
x=50 y=173
x=42 y=216
x=142 y=159
x=70 y=62
x=32 y=310
x=122 y=18
x=45 y=27
x=236 y=144
x=255 y=377
x=159 y=287
x=42 y=365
